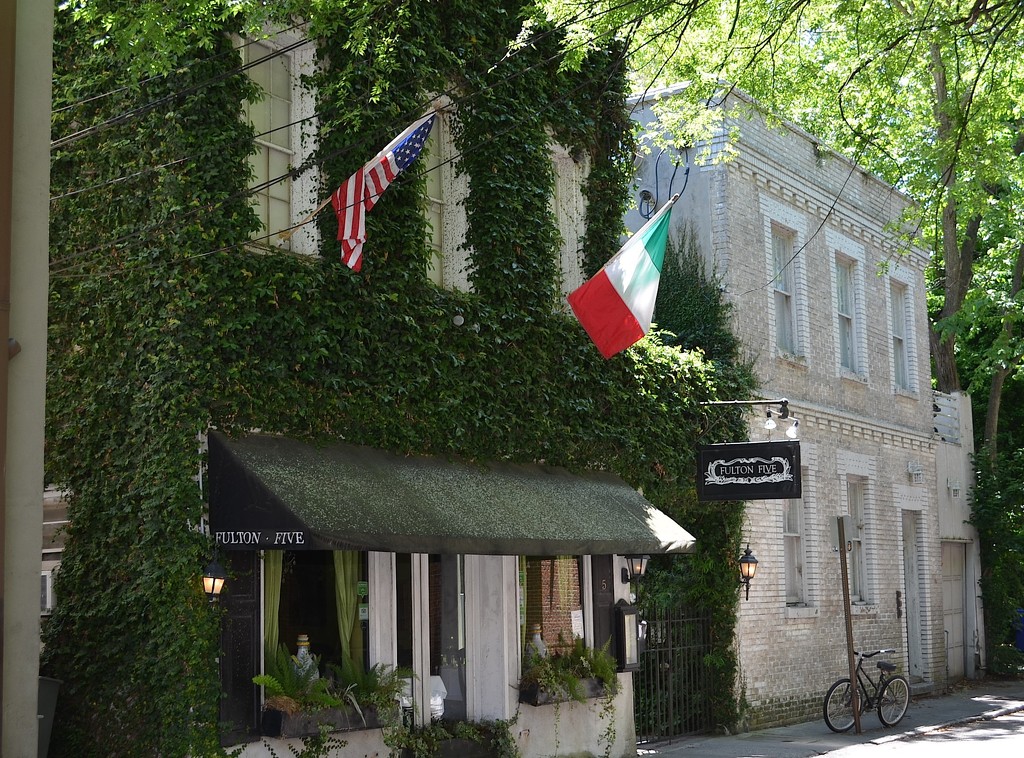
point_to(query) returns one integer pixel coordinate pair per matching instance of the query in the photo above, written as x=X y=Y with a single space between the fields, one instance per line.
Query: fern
x=290 y=687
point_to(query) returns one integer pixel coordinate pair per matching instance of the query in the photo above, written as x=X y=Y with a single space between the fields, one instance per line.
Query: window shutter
x=240 y=647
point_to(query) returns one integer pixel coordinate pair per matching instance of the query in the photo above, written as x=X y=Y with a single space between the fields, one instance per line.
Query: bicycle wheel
x=839 y=706
x=893 y=701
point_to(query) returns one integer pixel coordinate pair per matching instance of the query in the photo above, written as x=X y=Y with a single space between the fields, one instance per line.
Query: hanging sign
x=749 y=471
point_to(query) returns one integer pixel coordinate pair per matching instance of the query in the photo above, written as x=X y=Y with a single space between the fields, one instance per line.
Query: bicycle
x=890 y=694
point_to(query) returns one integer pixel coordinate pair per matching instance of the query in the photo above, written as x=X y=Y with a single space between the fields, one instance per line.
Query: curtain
x=273 y=562
x=346 y=580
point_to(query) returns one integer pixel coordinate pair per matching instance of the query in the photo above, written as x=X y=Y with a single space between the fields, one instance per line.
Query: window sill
x=849 y=376
x=796 y=361
x=906 y=394
x=801 y=612
x=864 y=609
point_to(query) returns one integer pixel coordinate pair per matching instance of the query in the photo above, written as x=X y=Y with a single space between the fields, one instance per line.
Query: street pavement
x=974 y=701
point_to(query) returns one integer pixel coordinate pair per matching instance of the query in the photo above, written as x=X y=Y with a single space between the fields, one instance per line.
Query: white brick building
x=830 y=305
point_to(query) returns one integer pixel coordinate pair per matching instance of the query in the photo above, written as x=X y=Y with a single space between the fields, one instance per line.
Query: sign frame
x=749 y=471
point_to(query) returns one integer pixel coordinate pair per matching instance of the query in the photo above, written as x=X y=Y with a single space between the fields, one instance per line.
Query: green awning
x=270 y=492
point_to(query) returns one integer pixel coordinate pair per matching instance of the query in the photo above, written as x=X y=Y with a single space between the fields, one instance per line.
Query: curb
x=922 y=730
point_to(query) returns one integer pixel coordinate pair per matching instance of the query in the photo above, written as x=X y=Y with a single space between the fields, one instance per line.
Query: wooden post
x=850 y=659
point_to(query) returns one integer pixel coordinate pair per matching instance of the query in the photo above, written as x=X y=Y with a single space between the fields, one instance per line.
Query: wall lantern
x=748 y=567
x=213 y=580
x=636 y=567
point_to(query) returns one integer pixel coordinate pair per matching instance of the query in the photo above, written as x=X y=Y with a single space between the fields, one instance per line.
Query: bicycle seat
x=887 y=667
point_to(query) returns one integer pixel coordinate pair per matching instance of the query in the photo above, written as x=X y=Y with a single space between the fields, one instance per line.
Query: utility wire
x=365 y=142
x=256 y=189
x=177 y=70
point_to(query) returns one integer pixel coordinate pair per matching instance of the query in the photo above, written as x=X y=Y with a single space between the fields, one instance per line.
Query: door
x=912 y=593
x=430 y=617
x=953 y=567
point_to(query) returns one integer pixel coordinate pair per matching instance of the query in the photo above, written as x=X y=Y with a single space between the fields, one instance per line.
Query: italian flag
x=616 y=305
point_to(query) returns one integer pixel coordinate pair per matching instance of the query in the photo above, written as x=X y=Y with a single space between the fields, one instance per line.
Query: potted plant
x=578 y=673
x=300 y=702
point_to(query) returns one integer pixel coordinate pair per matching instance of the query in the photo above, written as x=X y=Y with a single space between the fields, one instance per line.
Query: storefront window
x=322 y=594
x=551 y=595
x=435 y=624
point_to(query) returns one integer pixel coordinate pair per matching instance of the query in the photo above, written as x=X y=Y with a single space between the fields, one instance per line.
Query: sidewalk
x=974 y=702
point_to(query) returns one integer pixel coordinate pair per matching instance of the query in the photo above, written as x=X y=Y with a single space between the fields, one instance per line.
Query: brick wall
x=857 y=427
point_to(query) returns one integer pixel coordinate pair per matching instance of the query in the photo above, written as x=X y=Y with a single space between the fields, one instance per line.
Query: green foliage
x=997 y=512
x=163 y=323
x=378 y=687
x=1006 y=661
x=319 y=745
x=561 y=673
x=424 y=742
x=292 y=688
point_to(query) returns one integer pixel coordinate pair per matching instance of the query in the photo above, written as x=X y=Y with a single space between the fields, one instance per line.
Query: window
x=446 y=213
x=435 y=204
x=898 y=327
x=551 y=596
x=271 y=117
x=785 y=230
x=792 y=535
x=783 y=280
x=321 y=594
x=569 y=207
x=855 y=494
x=47 y=600
x=430 y=629
x=846 y=314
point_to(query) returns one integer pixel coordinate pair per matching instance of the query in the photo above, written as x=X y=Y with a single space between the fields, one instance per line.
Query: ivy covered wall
x=164 y=323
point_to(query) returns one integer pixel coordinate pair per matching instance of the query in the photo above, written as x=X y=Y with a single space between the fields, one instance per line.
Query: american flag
x=361 y=191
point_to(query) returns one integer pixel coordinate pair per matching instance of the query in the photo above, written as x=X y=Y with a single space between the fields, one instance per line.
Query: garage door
x=953 y=564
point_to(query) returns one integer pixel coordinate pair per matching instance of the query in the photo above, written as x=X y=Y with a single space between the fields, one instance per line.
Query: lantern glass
x=213 y=580
x=637 y=565
x=748 y=565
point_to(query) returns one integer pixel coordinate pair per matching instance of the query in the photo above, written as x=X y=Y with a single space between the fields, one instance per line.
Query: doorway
x=953 y=569
x=912 y=593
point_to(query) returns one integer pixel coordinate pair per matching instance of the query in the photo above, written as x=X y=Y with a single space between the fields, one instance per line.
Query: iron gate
x=672 y=689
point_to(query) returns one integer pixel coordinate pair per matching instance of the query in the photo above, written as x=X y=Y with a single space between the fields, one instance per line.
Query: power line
x=119 y=118
x=256 y=189
x=178 y=70
x=152 y=105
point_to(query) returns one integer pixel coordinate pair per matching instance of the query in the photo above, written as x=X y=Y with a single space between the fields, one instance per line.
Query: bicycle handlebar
x=872 y=655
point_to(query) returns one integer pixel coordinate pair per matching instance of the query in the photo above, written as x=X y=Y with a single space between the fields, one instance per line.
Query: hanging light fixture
x=794 y=429
x=769 y=423
x=636 y=567
x=748 y=567
x=213 y=580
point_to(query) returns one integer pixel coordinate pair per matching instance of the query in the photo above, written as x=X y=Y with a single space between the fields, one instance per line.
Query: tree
x=927 y=96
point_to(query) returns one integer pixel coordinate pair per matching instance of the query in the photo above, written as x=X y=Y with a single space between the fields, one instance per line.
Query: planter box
x=532 y=694
x=307 y=723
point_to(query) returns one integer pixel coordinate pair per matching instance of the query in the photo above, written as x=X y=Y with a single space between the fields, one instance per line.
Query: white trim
x=844 y=249
x=775 y=213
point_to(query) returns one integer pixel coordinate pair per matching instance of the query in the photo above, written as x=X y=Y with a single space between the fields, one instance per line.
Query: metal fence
x=672 y=689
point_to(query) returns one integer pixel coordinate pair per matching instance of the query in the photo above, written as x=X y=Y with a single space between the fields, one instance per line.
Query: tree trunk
x=957 y=265
x=1007 y=367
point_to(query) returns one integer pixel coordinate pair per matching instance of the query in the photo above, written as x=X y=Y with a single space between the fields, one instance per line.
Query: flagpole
x=437 y=108
x=660 y=212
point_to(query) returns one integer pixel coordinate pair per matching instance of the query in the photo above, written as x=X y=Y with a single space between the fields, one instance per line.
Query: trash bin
x=1020 y=629
x=48 y=689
